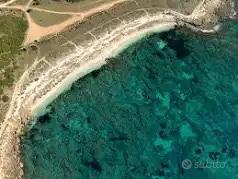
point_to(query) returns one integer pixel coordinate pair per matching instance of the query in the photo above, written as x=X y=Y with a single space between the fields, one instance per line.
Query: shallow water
x=166 y=107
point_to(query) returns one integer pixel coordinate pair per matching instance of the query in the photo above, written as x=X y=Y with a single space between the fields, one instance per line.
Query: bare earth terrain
x=79 y=42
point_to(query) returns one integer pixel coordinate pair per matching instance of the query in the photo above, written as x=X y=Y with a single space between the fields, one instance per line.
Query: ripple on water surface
x=169 y=97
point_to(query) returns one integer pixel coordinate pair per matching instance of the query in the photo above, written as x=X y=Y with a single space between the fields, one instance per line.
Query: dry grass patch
x=46 y=19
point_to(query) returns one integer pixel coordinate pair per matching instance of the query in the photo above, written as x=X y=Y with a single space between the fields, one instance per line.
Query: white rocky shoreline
x=31 y=99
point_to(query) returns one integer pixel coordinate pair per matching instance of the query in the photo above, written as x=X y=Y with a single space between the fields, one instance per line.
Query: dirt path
x=7 y=3
x=37 y=32
x=55 y=12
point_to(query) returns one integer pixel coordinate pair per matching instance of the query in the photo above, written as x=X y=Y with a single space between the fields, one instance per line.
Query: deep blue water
x=168 y=98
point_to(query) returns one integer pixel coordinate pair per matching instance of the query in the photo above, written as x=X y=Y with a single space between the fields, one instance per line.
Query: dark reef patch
x=44 y=118
x=177 y=43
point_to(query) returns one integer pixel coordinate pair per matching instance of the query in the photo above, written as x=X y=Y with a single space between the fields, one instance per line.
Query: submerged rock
x=186 y=132
x=166 y=145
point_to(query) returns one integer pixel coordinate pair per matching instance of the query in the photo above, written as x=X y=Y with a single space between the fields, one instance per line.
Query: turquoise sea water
x=166 y=107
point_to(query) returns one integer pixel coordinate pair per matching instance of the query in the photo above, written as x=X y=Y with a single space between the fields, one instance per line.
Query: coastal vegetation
x=12 y=31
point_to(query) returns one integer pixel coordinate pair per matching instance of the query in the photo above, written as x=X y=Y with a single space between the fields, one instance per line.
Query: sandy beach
x=32 y=96
x=39 y=108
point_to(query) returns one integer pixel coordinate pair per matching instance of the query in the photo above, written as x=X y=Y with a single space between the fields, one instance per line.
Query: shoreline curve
x=30 y=99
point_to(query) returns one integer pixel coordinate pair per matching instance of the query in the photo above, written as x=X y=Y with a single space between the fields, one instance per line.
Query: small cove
x=169 y=97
